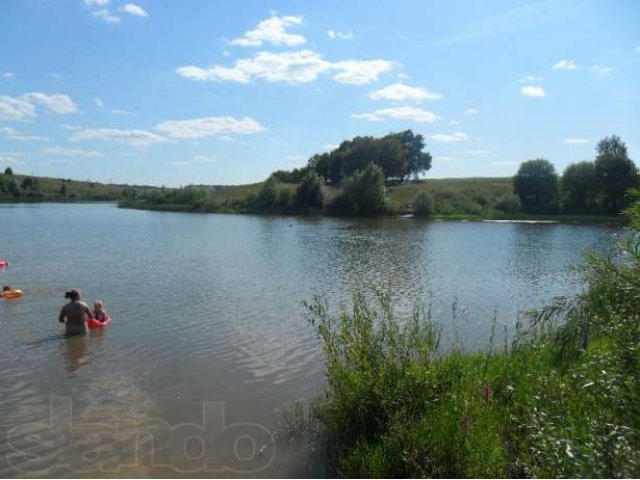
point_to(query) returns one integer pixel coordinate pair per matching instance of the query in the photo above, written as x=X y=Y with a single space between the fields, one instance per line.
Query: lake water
x=208 y=340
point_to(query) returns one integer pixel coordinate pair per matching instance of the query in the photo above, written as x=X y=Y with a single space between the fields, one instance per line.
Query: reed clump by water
x=560 y=400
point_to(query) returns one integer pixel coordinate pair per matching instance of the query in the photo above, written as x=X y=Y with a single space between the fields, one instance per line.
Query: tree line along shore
x=368 y=176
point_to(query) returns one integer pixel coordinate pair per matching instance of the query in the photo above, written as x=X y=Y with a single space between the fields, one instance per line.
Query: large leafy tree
x=580 y=187
x=418 y=161
x=536 y=183
x=399 y=155
x=615 y=172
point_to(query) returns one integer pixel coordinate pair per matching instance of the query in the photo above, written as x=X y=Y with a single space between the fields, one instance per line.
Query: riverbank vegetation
x=374 y=176
x=27 y=188
x=562 y=399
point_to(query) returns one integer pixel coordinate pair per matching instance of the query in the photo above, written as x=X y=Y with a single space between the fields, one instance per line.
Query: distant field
x=57 y=189
x=454 y=195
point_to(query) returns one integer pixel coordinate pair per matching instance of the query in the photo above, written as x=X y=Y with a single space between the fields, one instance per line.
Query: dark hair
x=6 y=288
x=72 y=294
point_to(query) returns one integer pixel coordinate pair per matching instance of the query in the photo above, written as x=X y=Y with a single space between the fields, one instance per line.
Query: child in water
x=99 y=313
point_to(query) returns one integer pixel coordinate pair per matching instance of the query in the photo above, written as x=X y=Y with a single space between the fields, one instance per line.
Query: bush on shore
x=561 y=400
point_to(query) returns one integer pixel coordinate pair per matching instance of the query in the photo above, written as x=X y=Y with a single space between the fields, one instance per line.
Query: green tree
x=417 y=161
x=13 y=189
x=268 y=194
x=615 y=172
x=8 y=171
x=536 y=183
x=363 y=192
x=309 y=192
x=579 y=187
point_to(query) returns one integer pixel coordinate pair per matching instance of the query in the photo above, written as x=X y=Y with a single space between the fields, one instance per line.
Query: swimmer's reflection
x=75 y=352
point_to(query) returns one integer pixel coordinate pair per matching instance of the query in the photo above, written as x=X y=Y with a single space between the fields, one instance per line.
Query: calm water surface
x=207 y=308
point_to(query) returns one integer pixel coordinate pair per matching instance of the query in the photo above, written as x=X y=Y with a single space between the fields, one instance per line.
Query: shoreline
x=619 y=220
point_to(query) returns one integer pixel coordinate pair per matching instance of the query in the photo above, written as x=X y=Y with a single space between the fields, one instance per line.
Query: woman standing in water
x=75 y=313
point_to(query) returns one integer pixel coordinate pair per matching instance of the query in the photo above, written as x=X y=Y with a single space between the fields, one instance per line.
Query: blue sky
x=173 y=93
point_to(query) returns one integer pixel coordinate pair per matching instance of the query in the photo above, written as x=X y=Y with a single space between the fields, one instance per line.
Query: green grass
x=50 y=189
x=561 y=400
x=453 y=199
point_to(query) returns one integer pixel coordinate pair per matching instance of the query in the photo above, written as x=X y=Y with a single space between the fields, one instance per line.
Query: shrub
x=508 y=204
x=309 y=192
x=424 y=204
x=363 y=192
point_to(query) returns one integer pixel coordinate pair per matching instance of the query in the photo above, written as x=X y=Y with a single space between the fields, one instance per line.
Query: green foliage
x=615 y=172
x=293 y=176
x=399 y=155
x=309 y=192
x=580 y=188
x=363 y=192
x=8 y=171
x=563 y=400
x=508 y=203
x=268 y=194
x=536 y=183
x=424 y=204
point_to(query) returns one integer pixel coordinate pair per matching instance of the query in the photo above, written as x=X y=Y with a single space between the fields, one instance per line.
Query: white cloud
x=209 y=127
x=196 y=160
x=575 y=141
x=15 y=108
x=96 y=3
x=449 y=137
x=400 y=91
x=471 y=111
x=638 y=49
x=443 y=158
x=272 y=30
x=330 y=146
x=454 y=122
x=8 y=75
x=70 y=127
x=478 y=151
x=565 y=65
x=133 y=9
x=531 y=79
x=138 y=138
x=117 y=111
x=360 y=72
x=533 y=91
x=290 y=67
x=70 y=152
x=297 y=67
x=98 y=102
x=601 y=71
x=226 y=53
x=55 y=75
x=57 y=102
x=106 y=16
x=9 y=159
x=335 y=35
x=204 y=159
x=399 y=113
x=13 y=134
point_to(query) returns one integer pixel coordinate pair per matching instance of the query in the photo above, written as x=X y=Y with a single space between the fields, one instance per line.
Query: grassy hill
x=26 y=188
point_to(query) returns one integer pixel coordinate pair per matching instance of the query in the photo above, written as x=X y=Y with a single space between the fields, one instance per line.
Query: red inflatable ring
x=92 y=323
